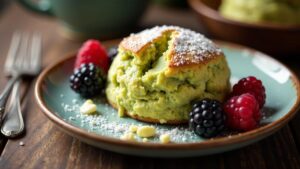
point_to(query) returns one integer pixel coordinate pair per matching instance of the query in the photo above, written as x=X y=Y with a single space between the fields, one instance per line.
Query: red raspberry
x=242 y=112
x=253 y=86
x=92 y=52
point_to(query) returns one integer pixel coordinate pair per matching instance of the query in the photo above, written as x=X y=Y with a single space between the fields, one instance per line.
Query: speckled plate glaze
x=60 y=104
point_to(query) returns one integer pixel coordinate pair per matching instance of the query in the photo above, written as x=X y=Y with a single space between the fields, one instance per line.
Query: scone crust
x=188 y=48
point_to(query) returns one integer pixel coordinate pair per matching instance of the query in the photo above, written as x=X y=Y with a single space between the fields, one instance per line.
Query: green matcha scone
x=160 y=71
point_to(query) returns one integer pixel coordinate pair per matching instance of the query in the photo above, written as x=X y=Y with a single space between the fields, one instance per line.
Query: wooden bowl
x=274 y=39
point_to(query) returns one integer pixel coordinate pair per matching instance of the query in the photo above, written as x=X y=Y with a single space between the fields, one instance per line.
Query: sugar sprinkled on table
x=21 y=143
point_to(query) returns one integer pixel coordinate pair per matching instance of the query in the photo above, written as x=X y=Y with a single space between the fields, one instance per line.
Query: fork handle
x=13 y=123
x=4 y=95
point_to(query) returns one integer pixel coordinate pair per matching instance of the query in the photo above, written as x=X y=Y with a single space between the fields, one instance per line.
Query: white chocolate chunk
x=88 y=107
x=165 y=138
x=146 y=131
x=128 y=137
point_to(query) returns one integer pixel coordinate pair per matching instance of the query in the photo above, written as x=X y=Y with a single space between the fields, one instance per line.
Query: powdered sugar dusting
x=136 y=42
x=191 y=47
x=107 y=123
x=188 y=46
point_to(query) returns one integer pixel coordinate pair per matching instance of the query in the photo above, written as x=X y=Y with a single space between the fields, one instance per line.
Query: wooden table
x=45 y=146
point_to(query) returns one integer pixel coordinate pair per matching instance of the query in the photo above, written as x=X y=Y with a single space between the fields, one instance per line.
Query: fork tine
x=12 y=52
x=36 y=47
x=23 y=52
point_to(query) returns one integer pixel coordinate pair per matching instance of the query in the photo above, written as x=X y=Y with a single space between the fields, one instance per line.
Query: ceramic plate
x=60 y=104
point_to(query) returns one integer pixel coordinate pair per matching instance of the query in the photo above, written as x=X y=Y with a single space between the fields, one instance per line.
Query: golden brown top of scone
x=186 y=46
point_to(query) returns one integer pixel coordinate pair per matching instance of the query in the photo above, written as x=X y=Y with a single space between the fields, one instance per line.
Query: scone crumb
x=146 y=131
x=21 y=143
x=164 y=138
x=88 y=107
x=162 y=121
x=128 y=137
x=145 y=140
x=133 y=128
x=121 y=111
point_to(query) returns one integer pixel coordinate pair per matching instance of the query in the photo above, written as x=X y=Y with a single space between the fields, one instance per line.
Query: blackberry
x=88 y=80
x=207 y=118
x=112 y=53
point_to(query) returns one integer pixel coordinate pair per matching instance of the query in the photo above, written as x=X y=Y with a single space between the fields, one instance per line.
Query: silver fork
x=24 y=58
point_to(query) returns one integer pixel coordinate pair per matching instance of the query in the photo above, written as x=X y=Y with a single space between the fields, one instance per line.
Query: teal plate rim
x=211 y=143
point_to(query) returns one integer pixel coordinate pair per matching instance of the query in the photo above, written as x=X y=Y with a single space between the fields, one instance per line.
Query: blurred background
x=271 y=26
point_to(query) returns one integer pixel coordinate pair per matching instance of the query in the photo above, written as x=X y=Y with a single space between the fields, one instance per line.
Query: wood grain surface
x=45 y=146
